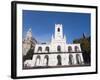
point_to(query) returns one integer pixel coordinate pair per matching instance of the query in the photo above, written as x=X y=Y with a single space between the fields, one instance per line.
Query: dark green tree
x=29 y=54
x=86 y=48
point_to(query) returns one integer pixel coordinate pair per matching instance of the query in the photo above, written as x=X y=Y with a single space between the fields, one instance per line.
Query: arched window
x=78 y=59
x=71 y=60
x=47 y=49
x=59 y=48
x=59 y=60
x=46 y=59
x=37 y=62
x=69 y=49
x=76 y=48
x=58 y=29
x=39 y=49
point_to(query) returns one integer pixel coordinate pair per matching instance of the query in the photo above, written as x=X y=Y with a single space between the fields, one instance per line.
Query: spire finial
x=29 y=34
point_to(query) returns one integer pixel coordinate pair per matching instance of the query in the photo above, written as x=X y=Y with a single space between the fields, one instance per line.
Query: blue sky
x=43 y=23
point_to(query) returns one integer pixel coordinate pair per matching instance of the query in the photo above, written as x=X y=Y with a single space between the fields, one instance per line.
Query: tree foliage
x=85 y=43
x=29 y=55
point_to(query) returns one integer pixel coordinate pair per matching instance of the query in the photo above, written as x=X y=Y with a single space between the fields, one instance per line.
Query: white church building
x=56 y=53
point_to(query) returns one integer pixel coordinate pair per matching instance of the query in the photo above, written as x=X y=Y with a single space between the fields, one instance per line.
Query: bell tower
x=58 y=31
x=29 y=35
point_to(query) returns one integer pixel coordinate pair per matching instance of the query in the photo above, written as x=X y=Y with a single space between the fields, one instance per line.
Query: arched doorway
x=59 y=48
x=39 y=49
x=71 y=60
x=59 y=60
x=76 y=49
x=37 y=62
x=47 y=49
x=69 y=49
x=78 y=59
x=46 y=60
